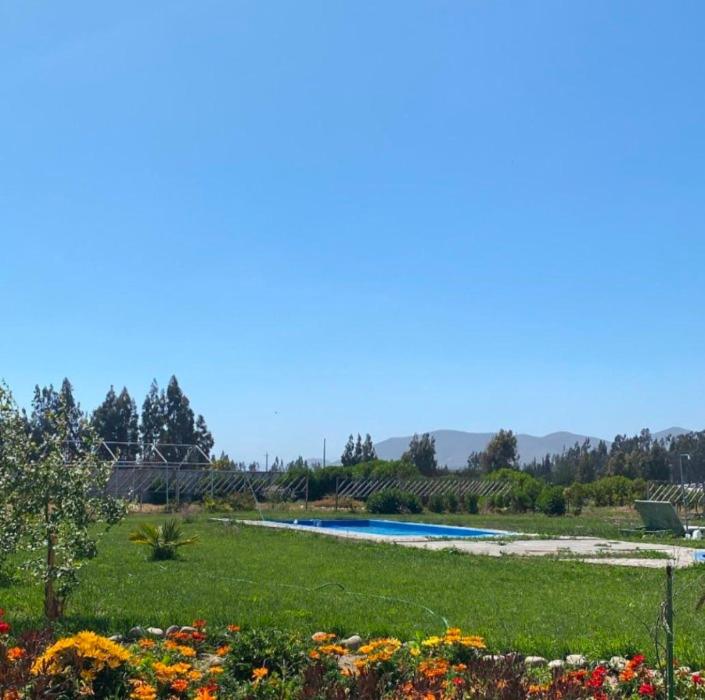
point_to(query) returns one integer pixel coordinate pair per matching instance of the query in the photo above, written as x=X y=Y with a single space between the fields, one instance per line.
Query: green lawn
x=259 y=577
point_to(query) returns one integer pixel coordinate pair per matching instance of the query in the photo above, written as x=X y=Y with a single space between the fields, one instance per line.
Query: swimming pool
x=391 y=528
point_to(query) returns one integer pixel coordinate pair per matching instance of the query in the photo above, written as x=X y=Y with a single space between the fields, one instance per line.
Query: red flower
x=697 y=679
x=199 y=624
x=5 y=627
x=637 y=660
x=597 y=677
x=2 y=613
x=647 y=689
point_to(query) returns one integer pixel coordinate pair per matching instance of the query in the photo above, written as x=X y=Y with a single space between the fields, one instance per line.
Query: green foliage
x=357 y=451
x=551 y=501
x=437 y=503
x=116 y=420
x=422 y=454
x=500 y=453
x=616 y=491
x=390 y=501
x=49 y=504
x=163 y=540
x=525 y=490
x=452 y=502
x=471 y=502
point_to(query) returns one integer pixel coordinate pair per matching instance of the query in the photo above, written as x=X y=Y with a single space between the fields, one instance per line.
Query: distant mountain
x=454 y=446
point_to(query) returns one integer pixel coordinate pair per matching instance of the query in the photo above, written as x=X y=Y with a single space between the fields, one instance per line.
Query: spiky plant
x=164 y=540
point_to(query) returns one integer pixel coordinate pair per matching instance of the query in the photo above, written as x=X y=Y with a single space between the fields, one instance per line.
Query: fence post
x=669 y=634
x=167 y=486
x=336 y=493
x=306 y=504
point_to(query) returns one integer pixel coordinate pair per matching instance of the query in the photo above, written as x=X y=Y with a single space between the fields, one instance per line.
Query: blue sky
x=375 y=216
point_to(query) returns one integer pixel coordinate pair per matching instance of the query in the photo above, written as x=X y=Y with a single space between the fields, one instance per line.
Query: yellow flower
x=322 y=637
x=146 y=643
x=90 y=652
x=216 y=670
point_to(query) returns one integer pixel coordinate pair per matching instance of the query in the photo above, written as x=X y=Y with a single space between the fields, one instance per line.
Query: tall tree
x=153 y=421
x=180 y=429
x=422 y=453
x=203 y=436
x=369 y=454
x=500 y=452
x=115 y=421
x=347 y=459
x=358 y=450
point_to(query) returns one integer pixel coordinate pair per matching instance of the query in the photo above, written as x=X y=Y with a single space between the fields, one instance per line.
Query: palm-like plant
x=164 y=540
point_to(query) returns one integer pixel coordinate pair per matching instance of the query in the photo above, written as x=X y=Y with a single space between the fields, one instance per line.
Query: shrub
x=453 y=503
x=471 y=502
x=551 y=500
x=390 y=501
x=525 y=489
x=437 y=503
x=164 y=540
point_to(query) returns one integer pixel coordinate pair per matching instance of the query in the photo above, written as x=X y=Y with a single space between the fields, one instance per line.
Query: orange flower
x=259 y=673
x=322 y=637
x=199 y=624
x=216 y=670
x=142 y=690
x=179 y=685
x=16 y=653
x=146 y=643
x=223 y=651
x=205 y=694
x=186 y=651
x=233 y=628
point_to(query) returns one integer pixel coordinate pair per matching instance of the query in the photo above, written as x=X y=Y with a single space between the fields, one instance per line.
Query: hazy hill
x=454 y=446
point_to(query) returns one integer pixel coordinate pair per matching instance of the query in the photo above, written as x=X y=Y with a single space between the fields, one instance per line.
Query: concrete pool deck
x=591 y=550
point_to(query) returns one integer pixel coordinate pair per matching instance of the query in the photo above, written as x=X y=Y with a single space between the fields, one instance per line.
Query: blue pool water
x=392 y=528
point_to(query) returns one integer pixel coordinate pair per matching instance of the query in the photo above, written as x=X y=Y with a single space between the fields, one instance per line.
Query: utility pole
x=324 y=453
x=670 y=680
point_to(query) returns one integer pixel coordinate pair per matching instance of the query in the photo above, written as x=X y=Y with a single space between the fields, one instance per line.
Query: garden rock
x=172 y=630
x=209 y=660
x=188 y=629
x=556 y=664
x=575 y=660
x=535 y=661
x=493 y=657
x=135 y=633
x=116 y=638
x=352 y=642
x=617 y=663
x=155 y=631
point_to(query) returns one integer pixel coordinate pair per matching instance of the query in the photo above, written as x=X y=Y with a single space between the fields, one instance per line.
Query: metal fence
x=173 y=483
x=691 y=495
x=424 y=488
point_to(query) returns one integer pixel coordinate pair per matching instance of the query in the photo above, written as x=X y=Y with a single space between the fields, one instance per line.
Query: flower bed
x=196 y=662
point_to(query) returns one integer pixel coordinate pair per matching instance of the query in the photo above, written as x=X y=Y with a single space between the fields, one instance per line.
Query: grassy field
x=259 y=577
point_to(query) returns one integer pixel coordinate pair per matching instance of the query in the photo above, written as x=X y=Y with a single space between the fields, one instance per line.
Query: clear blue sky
x=328 y=217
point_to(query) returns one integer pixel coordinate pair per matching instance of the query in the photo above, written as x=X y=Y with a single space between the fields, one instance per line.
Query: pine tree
x=347 y=459
x=368 y=449
x=115 y=421
x=153 y=422
x=203 y=436
x=179 y=422
x=358 y=450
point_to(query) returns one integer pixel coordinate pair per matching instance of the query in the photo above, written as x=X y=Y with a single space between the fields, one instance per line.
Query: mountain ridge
x=454 y=446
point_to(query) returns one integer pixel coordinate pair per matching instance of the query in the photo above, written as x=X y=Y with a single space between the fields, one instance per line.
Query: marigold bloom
x=259 y=673
x=205 y=694
x=16 y=653
x=146 y=643
x=322 y=636
x=142 y=690
x=233 y=628
x=179 y=685
x=223 y=651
